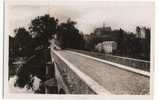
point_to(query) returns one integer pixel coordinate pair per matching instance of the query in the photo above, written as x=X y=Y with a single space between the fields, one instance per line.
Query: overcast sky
x=88 y=15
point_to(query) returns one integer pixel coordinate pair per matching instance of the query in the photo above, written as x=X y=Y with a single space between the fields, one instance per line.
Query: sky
x=88 y=15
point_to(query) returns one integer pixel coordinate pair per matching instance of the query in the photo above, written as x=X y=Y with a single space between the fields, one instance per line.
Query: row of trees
x=41 y=30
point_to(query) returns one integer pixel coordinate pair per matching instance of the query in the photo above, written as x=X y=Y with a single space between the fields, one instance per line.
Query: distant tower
x=103 y=24
x=138 y=31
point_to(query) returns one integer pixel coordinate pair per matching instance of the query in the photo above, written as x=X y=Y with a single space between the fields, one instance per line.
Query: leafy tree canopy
x=69 y=35
x=43 y=27
x=22 y=37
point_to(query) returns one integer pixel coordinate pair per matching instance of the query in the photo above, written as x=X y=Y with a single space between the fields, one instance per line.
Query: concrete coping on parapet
x=139 y=60
x=128 y=68
x=127 y=58
x=92 y=84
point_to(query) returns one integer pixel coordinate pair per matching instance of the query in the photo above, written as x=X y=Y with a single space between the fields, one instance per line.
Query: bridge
x=77 y=73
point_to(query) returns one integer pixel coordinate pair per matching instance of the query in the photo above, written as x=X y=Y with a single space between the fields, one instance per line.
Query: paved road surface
x=115 y=80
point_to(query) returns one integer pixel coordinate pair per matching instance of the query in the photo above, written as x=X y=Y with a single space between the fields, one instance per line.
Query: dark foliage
x=22 y=37
x=69 y=36
x=43 y=27
x=22 y=41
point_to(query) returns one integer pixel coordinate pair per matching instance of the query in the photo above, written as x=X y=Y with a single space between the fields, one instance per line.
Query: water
x=15 y=89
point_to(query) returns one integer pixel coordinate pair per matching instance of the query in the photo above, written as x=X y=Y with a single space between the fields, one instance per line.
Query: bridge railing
x=135 y=63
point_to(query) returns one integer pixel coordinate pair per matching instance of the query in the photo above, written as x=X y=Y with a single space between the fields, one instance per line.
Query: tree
x=120 y=41
x=22 y=40
x=147 y=43
x=43 y=27
x=12 y=49
x=22 y=37
x=69 y=36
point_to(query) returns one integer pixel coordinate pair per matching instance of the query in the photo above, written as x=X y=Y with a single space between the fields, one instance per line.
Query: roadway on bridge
x=113 y=79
